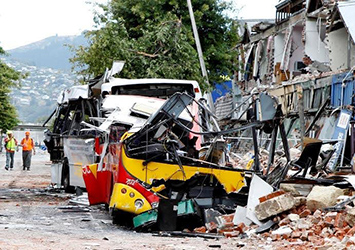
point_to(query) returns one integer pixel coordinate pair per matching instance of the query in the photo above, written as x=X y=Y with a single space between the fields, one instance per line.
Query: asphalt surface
x=35 y=216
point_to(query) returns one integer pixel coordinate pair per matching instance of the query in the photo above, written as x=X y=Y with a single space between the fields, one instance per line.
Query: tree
x=155 y=39
x=8 y=78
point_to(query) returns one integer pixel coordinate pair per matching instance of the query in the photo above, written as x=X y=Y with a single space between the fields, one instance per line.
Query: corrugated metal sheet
x=224 y=106
x=337 y=89
x=347 y=10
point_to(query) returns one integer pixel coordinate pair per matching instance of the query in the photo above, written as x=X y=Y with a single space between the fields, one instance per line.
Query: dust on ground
x=34 y=216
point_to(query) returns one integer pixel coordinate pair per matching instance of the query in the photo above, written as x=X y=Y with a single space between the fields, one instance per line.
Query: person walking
x=10 y=146
x=27 y=147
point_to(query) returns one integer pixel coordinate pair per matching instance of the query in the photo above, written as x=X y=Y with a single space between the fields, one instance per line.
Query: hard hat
x=9 y=132
x=27 y=133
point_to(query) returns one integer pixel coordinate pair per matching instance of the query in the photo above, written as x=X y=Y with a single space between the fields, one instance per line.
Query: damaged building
x=279 y=156
x=304 y=58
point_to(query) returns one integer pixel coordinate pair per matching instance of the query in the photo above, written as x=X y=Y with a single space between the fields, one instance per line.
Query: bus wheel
x=66 y=179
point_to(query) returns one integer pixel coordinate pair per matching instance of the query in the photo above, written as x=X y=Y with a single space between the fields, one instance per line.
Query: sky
x=25 y=21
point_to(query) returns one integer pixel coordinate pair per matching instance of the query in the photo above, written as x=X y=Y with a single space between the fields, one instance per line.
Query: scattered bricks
x=350 y=216
x=225 y=220
x=240 y=228
x=303 y=224
x=321 y=197
x=346 y=229
x=326 y=232
x=285 y=236
x=275 y=237
x=266 y=235
x=293 y=217
x=317 y=230
x=311 y=238
x=200 y=229
x=224 y=230
x=231 y=234
x=314 y=220
x=340 y=234
x=284 y=222
x=305 y=213
x=310 y=233
x=282 y=230
x=296 y=234
x=270 y=196
x=211 y=226
x=316 y=240
x=228 y=217
x=349 y=244
x=317 y=214
x=351 y=232
x=345 y=239
x=329 y=221
x=322 y=224
x=228 y=224
x=339 y=221
x=304 y=235
x=332 y=215
x=300 y=200
x=274 y=206
x=325 y=247
x=293 y=211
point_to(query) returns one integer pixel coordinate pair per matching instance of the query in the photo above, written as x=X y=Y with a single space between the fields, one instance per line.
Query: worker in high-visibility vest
x=27 y=148
x=10 y=146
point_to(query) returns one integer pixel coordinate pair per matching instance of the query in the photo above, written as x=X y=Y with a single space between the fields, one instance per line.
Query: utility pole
x=197 y=41
x=199 y=51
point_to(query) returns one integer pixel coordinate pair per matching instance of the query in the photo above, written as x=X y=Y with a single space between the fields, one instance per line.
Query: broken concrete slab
x=296 y=189
x=258 y=188
x=274 y=206
x=322 y=197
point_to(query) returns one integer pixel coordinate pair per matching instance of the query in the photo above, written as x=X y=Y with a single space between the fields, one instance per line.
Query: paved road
x=32 y=216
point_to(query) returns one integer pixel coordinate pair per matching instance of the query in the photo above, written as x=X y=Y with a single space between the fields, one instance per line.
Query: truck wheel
x=66 y=179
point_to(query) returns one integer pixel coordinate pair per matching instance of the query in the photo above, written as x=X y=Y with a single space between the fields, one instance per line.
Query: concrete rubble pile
x=323 y=217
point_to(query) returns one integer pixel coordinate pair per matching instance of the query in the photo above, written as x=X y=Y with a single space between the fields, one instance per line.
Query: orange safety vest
x=27 y=145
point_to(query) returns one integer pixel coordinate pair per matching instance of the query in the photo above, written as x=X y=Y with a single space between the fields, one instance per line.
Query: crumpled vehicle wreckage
x=170 y=172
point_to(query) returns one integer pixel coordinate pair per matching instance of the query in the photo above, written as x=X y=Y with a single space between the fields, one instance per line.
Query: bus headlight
x=155 y=204
x=138 y=203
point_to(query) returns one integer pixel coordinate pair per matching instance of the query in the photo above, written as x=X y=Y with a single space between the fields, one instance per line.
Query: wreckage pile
x=325 y=217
